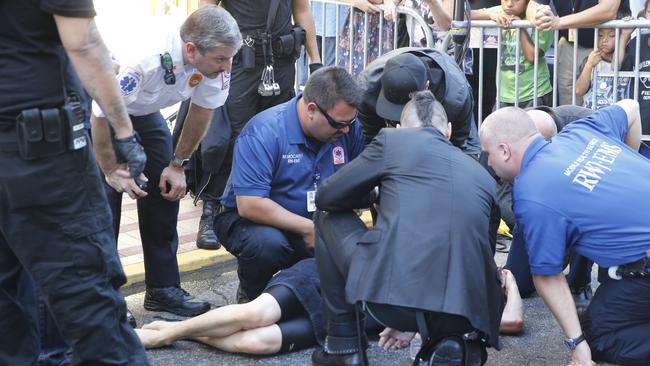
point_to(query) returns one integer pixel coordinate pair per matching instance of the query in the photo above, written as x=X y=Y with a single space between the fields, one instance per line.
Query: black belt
x=639 y=268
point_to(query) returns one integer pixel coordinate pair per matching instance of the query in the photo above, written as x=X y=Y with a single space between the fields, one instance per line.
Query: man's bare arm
x=633 y=137
x=116 y=175
x=304 y=18
x=92 y=62
x=442 y=11
x=557 y=296
x=194 y=129
x=102 y=146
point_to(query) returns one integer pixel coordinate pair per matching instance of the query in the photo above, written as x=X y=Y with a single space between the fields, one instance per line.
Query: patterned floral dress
x=372 y=47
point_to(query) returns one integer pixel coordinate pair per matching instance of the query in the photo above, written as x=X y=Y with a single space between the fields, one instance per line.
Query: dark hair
x=330 y=85
x=428 y=110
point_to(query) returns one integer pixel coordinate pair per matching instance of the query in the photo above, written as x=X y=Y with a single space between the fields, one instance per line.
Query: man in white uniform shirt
x=195 y=62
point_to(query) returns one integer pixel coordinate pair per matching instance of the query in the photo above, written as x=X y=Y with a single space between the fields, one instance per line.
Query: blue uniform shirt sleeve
x=546 y=234
x=252 y=167
x=356 y=141
x=610 y=121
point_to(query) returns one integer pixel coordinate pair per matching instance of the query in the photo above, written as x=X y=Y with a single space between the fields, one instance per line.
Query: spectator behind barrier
x=601 y=89
x=504 y=14
x=572 y=14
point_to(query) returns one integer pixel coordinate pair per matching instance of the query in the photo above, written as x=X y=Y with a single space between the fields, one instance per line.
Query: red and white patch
x=338 y=154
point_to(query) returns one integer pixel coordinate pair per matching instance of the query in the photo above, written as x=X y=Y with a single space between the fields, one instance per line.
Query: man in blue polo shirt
x=280 y=159
x=601 y=191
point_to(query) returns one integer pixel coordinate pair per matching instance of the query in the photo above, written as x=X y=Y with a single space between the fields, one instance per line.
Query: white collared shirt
x=143 y=87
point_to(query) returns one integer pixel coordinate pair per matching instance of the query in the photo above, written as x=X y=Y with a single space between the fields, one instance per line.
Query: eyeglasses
x=338 y=125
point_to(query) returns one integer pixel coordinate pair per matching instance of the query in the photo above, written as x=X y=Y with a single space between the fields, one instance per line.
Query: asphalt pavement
x=539 y=344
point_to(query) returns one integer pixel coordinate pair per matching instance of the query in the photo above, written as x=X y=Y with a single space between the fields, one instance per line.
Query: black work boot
x=453 y=351
x=131 y=319
x=341 y=351
x=582 y=298
x=206 y=237
x=242 y=296
x=174 y=300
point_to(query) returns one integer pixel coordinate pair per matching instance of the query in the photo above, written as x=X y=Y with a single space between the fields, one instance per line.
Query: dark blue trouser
x=261 y=250
x=617 y=322
x=55 y=225
x=157 y=217
x=53 y=349
x=579 y=267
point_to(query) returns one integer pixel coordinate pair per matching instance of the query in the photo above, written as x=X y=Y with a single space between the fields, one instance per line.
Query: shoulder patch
x=338 y=155
x=129 y=81
x=225 y=80
x=195 y=80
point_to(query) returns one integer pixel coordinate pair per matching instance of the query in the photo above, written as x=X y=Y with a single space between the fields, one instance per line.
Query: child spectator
x=600 y=93
x=504 y=14
x=644 y=66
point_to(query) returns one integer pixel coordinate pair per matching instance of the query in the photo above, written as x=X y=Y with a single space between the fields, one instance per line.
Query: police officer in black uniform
x=54 y=219
x=268 y=41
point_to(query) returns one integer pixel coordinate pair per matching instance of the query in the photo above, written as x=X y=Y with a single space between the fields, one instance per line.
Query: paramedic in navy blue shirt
x=280 y=158
x=601 y=190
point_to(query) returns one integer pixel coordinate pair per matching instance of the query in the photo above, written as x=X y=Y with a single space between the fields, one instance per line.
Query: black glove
x=313 y=67
x=128 y=150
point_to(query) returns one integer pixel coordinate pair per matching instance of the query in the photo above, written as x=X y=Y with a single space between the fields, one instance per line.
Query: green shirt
x=526 y=69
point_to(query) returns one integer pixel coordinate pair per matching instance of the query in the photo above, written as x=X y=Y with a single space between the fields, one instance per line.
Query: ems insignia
x=225 y=80
x=339 y=155
x=195 y=80
x=129 y=82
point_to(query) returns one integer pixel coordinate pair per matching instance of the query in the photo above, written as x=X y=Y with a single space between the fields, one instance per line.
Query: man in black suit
x=430 y=252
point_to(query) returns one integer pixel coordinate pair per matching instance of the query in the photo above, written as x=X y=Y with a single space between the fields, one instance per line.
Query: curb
x=187 y=262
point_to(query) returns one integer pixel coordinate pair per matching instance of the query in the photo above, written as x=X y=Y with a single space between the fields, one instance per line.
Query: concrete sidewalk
x=190 y=258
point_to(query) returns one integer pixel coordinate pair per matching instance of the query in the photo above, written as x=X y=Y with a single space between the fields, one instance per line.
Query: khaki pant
x=565 y=79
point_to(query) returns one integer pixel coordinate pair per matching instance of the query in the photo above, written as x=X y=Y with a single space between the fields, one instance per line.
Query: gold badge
x=195 y=80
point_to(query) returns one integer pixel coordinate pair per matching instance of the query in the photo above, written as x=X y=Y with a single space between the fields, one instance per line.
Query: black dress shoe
x=206 y=237
x=174 y=300
x=322 y=358
x=131 y=319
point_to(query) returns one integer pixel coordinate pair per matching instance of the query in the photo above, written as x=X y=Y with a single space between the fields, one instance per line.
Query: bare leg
x=259 y=341
x=512 y=320
x=217 y=323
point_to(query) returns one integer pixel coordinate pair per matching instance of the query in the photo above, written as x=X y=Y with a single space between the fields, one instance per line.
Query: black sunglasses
x=339 y=125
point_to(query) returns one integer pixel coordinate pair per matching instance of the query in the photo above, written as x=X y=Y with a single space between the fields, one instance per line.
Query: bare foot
x=151 y=338
x=157 y=325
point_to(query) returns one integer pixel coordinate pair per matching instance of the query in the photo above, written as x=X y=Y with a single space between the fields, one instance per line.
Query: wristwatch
x=572 y=343
x=178 y=162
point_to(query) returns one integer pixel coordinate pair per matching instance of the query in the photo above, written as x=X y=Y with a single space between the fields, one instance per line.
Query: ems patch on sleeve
x=338 y=155
x=195 y=80
x=225 y=80
x=129 y=81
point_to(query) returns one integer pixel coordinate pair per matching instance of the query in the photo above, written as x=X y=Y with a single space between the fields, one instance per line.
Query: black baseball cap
x=403 y=74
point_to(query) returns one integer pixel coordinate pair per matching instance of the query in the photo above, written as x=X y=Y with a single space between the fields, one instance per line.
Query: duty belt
x=639 y=268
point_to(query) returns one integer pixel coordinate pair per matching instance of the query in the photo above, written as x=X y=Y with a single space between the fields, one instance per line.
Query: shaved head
x=543 y=122
x=509 y=125
x=505 y=135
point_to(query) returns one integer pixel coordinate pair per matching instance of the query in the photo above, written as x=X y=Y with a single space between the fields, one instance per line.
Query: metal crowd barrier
x=482 y=25
x=340 y=7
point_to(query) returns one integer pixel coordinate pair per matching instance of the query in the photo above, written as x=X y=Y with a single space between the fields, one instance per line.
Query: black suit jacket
x=433 y=244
